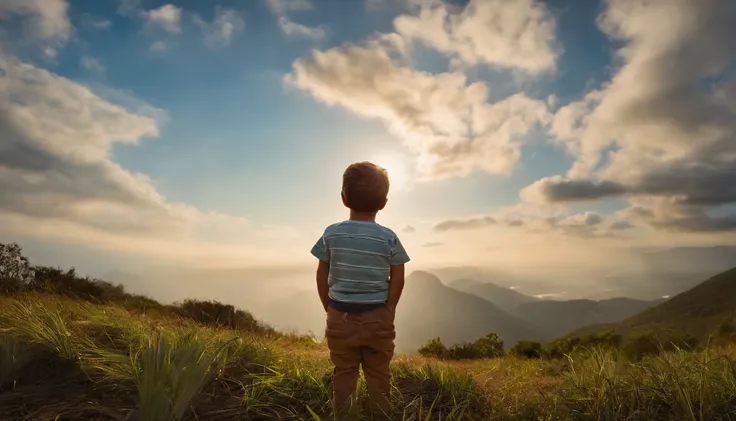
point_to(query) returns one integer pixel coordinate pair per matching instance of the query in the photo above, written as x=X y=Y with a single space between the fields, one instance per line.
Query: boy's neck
x=362 y=216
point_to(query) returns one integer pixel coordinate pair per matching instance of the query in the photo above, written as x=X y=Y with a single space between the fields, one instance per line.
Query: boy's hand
x=323 y=288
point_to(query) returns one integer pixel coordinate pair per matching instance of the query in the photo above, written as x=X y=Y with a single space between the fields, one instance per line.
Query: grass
x=62 y=359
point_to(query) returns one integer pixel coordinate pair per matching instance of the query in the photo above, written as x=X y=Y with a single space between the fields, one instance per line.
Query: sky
x=137 y=133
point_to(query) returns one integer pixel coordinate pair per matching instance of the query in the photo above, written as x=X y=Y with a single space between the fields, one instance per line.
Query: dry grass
x=60 y=359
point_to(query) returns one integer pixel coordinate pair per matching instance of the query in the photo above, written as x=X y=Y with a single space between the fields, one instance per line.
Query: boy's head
x=365 y=187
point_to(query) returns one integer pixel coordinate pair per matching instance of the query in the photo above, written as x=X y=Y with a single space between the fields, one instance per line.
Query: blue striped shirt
x=360 y=254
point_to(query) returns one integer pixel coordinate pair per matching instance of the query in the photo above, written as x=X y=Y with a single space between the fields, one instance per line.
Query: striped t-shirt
x=360 y=254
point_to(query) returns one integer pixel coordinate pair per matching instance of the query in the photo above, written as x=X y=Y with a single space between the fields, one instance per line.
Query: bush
x=434 y=348
x=527 y=349
x=214 y=313
x=567 y=345
x=489 y=346
x=15 y=270
x=57 y=281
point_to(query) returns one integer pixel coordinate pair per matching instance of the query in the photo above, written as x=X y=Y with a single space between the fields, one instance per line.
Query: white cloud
x=444 y=120
x=92 y=65
x=58 y=179
x=658 y=132
x=167 y=17
x=45 y=20
x=219 y=32
x=294 y=29
x=282 y=8
x=516 y=34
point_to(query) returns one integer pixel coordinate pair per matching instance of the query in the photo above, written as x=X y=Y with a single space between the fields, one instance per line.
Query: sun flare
x=398 y=170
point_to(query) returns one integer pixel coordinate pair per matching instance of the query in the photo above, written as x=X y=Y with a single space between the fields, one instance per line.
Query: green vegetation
x=489 y=346
x=697 y=312
x=71 y=352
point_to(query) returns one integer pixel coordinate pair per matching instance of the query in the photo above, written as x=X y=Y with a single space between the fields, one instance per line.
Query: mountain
x=561 y=317
x=429 y=309
x=505 y=298
x=697 y=311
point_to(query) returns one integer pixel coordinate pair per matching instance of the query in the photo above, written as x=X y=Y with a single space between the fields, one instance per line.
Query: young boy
x=359 y=279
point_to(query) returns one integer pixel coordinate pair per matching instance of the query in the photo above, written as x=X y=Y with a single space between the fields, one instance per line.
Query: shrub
x=215 y=313
x=489 y=346
x=57 y=281
x=607 y=339
x=527 y=349
x=15 y=270
x=434 y=348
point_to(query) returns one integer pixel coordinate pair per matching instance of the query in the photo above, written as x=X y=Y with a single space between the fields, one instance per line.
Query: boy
x=360 y=277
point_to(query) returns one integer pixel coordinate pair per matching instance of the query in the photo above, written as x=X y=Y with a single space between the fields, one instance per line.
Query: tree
x=434 y=348
x=489 y=346
x=527 y=349
x=15 y=270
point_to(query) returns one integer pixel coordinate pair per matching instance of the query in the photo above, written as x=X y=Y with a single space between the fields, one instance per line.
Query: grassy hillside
x=561 y=317
x=62 y=359
x=697 y=311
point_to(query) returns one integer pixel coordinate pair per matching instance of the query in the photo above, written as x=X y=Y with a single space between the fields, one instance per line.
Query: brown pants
x=356 y=339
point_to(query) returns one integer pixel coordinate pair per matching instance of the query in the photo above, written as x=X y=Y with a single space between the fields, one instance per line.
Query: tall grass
x=132 y=366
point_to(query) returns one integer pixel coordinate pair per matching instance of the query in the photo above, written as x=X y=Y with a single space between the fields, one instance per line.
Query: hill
x=505 y=298
x=75 y=348
x=430 y=309
x=558 y=318
x=697 y=311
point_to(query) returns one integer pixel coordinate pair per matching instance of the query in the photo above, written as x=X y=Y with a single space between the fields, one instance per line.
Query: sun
x=397 y=168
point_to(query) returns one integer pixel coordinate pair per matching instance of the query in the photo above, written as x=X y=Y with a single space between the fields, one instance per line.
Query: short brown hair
x=365 y=187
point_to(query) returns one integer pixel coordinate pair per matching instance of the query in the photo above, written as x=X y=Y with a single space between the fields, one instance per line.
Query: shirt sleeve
x=398 y=254
x=320 y=250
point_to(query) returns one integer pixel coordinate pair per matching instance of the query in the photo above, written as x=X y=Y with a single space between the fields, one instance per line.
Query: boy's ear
x=344 y=200
x=384 y=203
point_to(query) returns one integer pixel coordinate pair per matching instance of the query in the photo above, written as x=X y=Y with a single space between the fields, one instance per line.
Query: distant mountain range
x=429 y=309
x=555 y=318
x=474 y=304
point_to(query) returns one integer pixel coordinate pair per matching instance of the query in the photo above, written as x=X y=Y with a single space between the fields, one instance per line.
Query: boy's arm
x=323 y=288
x=395 y=286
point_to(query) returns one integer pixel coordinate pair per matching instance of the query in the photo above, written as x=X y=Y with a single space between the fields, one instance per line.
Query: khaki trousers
x=361 y=339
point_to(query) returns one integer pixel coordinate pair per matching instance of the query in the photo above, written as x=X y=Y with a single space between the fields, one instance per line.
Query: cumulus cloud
x=219 y=32
x=444 y=120
x=282 y=8
x=409 y=229
x=45 y=20
x=58 y=179
x=168 y=17
x=513 y=34
x=662 y=129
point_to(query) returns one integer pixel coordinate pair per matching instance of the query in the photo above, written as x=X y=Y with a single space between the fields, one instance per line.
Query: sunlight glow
x=398 y=170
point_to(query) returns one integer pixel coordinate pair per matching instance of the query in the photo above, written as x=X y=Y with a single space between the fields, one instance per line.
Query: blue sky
x=238 y=121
